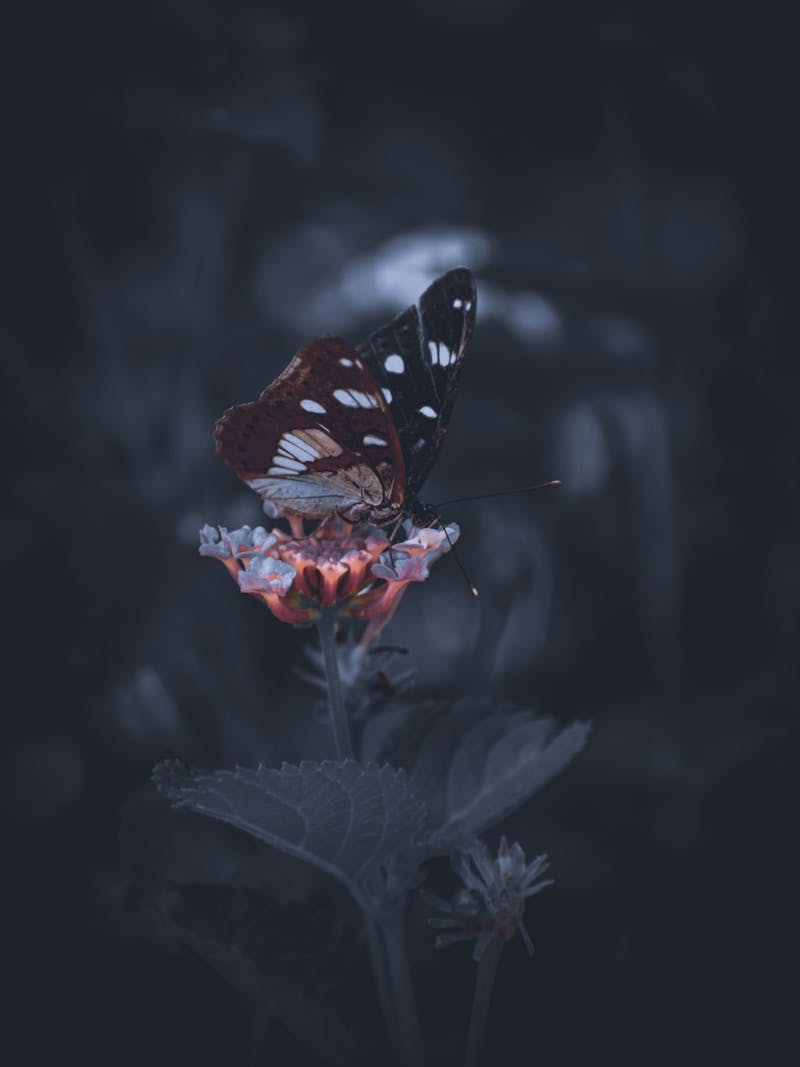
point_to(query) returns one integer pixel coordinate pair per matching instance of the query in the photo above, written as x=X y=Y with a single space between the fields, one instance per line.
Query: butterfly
x=354 y=432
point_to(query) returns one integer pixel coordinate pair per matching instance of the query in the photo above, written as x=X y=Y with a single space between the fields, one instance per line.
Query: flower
x=491 y=903
x=351 y=569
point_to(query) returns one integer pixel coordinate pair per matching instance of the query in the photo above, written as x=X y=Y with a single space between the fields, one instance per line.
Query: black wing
x=417 y=360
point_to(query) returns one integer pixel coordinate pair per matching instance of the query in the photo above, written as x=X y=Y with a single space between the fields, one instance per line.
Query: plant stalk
x=393 y=926
x=326 y=625
x=484 y=983
x=380 y=972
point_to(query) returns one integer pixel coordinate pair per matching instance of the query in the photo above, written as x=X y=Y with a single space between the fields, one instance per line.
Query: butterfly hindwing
x=320 y=440
x=417 y=360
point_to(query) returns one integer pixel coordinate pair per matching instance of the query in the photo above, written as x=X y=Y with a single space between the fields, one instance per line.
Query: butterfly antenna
x=457 y=558
x=503 y=492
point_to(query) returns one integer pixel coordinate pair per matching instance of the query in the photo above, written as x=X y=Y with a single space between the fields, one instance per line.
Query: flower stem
x=410 y=1051
x=326 y=624
x=380 y=972
x=484 y=983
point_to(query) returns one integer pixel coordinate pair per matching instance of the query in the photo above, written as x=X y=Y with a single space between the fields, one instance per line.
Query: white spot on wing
x=292 y=440
x=457 y=303
x=346 y=362
x=387 y=395
x=313 y=406
x=428 y=412
x=295 y=447
x=284 y=465
x=321 y=442
x=394 y=364
x=371 y=439
x=288 y=463
x=354 y=398
x=441 y=354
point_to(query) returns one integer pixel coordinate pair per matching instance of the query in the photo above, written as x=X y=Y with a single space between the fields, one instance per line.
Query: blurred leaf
x=475 y=764
x=341 y=817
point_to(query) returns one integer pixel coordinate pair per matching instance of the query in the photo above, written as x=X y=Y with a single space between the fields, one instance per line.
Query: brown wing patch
x=320 y=439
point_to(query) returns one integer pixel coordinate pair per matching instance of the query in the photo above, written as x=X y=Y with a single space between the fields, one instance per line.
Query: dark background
x=190 y=191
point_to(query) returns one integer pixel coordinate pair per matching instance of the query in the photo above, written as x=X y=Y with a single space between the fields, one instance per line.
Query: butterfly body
x=354 y=432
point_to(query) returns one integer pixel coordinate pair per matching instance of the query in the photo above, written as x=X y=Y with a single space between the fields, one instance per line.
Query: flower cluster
x=491 y=903
x=351 y=569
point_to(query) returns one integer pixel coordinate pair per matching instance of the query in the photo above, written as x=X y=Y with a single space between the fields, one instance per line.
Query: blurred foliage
x=193 y=191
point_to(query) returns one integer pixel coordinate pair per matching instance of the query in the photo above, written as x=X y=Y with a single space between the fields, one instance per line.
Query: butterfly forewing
x=320 y=440
x=417 y=360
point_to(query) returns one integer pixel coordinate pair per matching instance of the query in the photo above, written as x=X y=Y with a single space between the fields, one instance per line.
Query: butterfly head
x=420 y=514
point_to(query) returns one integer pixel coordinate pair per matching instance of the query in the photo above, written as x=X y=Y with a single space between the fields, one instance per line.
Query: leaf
x=475 y=764
x=342 y=817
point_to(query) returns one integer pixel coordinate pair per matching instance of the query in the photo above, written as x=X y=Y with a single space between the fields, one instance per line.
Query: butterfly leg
x=396 y=527
x=297 y=527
